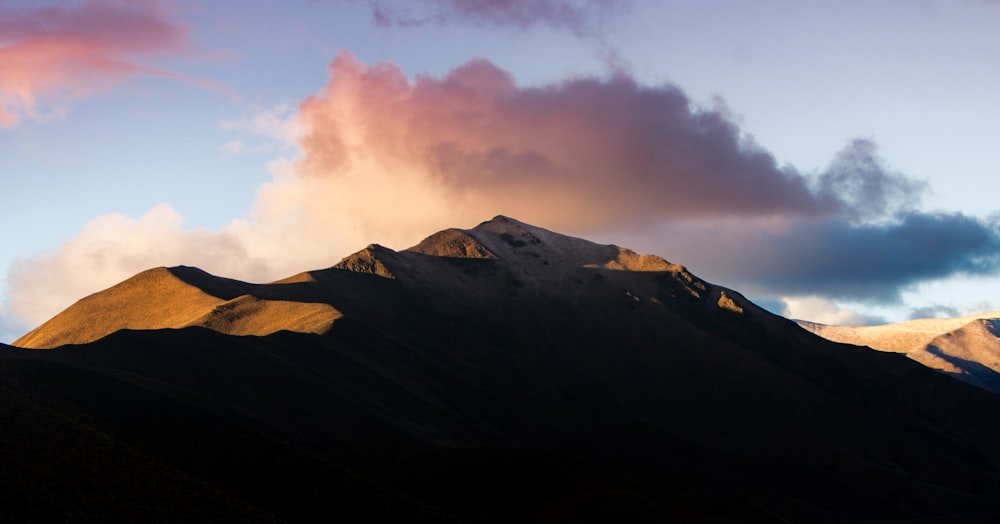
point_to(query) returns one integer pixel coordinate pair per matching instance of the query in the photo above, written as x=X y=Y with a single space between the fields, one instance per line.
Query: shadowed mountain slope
x=966 y=348
x=508 y=373
x=77 y=444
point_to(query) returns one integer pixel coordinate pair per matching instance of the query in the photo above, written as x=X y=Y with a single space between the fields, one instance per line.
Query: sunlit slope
x=171 y=298
x=967 y=348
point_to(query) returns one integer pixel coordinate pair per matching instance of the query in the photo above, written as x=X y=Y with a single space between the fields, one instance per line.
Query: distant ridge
x=967 y=348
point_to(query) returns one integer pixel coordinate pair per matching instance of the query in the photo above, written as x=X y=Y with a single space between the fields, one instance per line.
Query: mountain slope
x=967 y=348
x=509 y=373
x=970 y=353
x=170 y=298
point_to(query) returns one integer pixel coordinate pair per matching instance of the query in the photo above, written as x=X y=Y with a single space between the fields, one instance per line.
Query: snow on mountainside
x=967 y=348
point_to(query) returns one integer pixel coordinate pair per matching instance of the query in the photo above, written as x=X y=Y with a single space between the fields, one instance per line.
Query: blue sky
x=832 y=160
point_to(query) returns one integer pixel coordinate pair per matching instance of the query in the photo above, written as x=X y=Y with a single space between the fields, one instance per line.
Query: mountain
x=967 y=348
x=494 y=374
x=171 y=298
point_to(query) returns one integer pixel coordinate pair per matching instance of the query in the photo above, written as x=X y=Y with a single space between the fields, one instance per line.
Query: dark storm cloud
x=876 y=261
x=865 y=186
x=837 y=259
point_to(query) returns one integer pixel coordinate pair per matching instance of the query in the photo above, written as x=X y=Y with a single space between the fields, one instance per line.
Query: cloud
x=10 y=327
x=233 y=147
x=835 y=258
x=110 y=249
x=278 y=122
x=380 y=157
x=51 y=56
x=273 y=128
x=584 y=152
x=818 y=309
x=582 y=18
x=875 y=262
x=859 y=178
x=934 y=311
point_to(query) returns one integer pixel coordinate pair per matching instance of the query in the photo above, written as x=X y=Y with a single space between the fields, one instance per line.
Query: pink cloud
x=582 y=152
x=384 y=158
x=53 y=55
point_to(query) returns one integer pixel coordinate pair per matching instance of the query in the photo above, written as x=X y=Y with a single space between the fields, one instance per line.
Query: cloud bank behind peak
x=386 y=158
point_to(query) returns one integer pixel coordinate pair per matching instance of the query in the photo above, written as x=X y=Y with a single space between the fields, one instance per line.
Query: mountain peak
x=505 y=354
x=452 y=243
x=503 y=219
x=519 y=236
x=502 y=224
x=501 y=257
x=369 y=260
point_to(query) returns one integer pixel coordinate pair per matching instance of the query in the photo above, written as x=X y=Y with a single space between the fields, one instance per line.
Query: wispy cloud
x=589 y=21
x=934 y=311
x=583 y=18
x=272 y=128
x=51 y=56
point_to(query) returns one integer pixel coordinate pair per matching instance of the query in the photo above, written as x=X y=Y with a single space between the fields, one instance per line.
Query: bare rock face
x=726 y=302
x=367 y=261
x=453 y=243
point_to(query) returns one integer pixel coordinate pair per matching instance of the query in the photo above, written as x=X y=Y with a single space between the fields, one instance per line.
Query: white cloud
x=815 y=308
x=233 y=147
x=10 y=327
x=279 y=123
x=113 y=247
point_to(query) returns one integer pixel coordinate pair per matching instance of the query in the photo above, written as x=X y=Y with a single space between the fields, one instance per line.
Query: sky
x=832 y=160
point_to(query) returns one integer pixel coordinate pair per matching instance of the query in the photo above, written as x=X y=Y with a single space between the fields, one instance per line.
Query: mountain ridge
x=182 y=296
x=510 y=373
x=966 y=348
